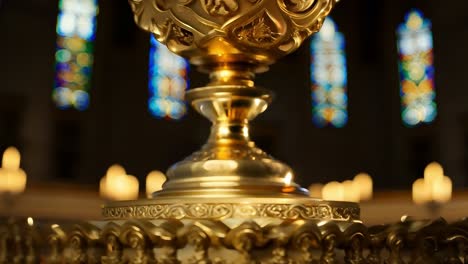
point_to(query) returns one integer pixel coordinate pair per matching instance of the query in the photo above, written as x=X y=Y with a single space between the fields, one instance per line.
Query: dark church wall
x=117 y=128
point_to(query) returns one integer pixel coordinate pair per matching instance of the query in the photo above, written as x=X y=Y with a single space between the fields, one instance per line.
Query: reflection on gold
x=288 y=178
x=220 y=165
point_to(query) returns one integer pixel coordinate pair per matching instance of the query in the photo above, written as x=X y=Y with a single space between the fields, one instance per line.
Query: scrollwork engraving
x=298 y=6
x=225 y=210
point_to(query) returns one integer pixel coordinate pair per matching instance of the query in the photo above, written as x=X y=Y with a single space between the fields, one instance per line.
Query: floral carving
x=182 y=36
x=220 y=7
x=246 y=24
x=225 y=210
x=260 y=31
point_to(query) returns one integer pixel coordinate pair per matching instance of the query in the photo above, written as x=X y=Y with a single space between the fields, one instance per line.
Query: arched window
x=76 y=28
x=416 y=70
x=329 y=77
x=167 y=82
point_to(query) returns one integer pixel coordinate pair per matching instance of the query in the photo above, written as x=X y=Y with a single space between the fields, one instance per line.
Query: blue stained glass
x=76 y=28
x=329 y=77
x=415 y=47
x=167 y=82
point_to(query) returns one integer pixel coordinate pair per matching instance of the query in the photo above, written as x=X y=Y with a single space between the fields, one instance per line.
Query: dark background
x=77 y=147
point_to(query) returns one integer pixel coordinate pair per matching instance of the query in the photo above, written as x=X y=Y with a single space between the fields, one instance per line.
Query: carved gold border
x=218 y=211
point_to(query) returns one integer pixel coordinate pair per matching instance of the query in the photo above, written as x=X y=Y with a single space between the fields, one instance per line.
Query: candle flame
x=11 y=159
x=154 y=182
x=30 y=221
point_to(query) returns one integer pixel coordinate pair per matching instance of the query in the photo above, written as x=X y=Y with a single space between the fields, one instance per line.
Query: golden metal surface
x=243 y=241
x=216 y=33
x=231 y=40
x=268 y=209
x=229 y=164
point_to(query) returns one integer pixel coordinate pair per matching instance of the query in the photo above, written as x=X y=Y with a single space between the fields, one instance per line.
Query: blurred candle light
x=117 y=185
x=154 y=182
x=421 y=191
x=12 y=177
x=125 y=188
x=30 y=221
x=113 y=174
x=364 y=186
x=11 y=159
x=351 y=191
x=333 y=191
x=433 y=187
x=433 y=173
x=315 y=190
x=442 y=190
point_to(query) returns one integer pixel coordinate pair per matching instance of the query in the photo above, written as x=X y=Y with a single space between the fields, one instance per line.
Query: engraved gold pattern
x=245 y=242
x=232 y=210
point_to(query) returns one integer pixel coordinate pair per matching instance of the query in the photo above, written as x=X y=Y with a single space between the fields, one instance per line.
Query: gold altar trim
x=284 y=209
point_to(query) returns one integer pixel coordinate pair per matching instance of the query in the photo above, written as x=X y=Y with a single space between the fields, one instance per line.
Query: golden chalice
x=232 y=40
x=231 y=193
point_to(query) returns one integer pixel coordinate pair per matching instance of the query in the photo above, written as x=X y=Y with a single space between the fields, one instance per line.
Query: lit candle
x=117 y=185
x=351 y=191
x=154 y=182
x=333 y=191
x=442 y=191
x=421 y=191
x=364 y=184
x=11 y=159
x=30 y=221
x=12 y=177
x=433 y=173
x=315 y=190
x=124 y=188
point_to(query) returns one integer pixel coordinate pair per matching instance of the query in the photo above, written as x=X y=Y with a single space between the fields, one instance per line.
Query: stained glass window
x=329 y=77
x=76 y=27
x=416 y=70
x=167 y=82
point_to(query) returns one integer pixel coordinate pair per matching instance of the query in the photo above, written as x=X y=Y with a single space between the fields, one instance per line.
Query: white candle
x=12 y=177
x=433 y=173
x=364 y=184
x=351 y=191
x=333 y=191
x=442 y=190
x=117 y=185
x=421 y=191
x=154 y=182
x=11 y=159
x=315 y=190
